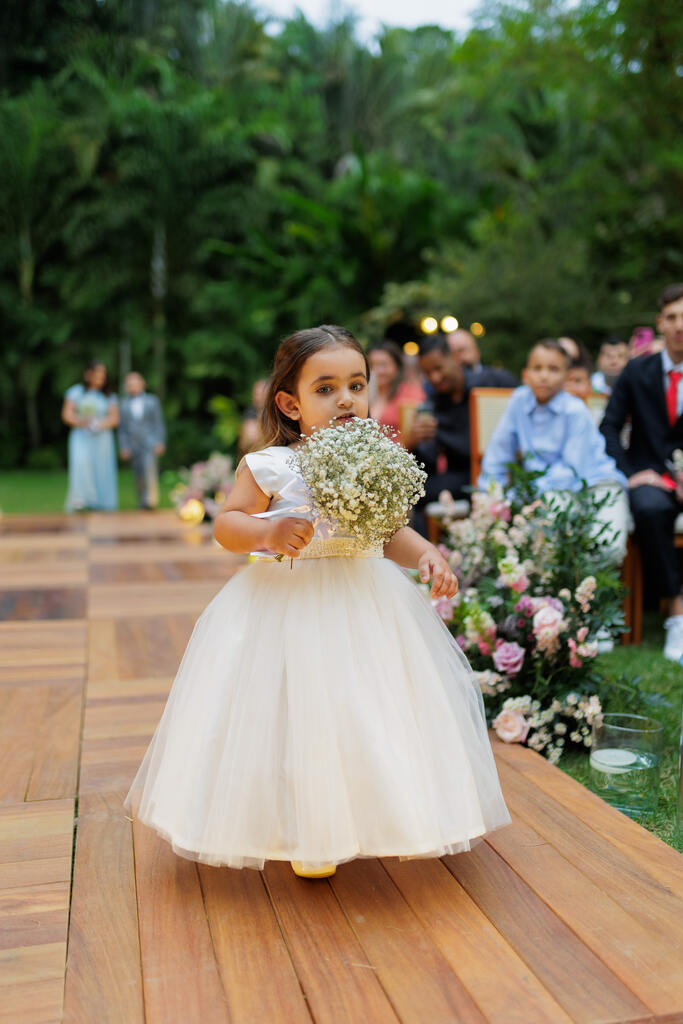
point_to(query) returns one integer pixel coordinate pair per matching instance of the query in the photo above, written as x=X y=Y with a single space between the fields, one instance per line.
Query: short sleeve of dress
x=74 y=393
x=267 y=469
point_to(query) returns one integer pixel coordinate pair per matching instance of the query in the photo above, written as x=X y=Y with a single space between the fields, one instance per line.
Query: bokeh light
x=429 y=324
x=411 y=348
x=477 y=329
x=192 y=511
x=448 y=324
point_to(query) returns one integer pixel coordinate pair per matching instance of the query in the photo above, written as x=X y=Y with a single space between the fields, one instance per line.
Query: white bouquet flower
x=360 y=479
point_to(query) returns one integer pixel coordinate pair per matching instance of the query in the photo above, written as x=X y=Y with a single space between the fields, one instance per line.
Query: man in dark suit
x=142 y=437
x=650 y=392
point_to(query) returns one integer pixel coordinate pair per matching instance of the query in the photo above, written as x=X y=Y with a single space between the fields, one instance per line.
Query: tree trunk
x=29 y=380
x=158 y=287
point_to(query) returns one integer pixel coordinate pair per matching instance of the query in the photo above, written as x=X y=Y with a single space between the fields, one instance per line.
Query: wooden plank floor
x=573 y=913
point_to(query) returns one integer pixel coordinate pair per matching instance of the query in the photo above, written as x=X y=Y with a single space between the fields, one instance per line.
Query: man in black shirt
x=440 y=436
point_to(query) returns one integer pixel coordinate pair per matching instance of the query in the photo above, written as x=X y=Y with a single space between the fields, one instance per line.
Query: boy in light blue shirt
x=555 y=434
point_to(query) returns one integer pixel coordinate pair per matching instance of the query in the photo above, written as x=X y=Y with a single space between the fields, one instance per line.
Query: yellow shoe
x=324 y=871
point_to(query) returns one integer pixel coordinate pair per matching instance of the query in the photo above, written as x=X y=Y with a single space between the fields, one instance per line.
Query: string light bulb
x=429 y=324
x=448 y=324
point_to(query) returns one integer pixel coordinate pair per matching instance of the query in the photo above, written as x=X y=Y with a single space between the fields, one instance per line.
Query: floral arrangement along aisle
x=202 y=489
x=537 y=597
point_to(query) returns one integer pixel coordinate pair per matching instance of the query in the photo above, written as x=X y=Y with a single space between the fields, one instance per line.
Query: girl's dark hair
x=276 y=428
x=106 y=387
x=394 y=351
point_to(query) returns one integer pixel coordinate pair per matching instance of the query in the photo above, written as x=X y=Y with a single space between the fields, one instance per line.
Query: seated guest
x=440 y=434
x=389 y=388
x=553 y=431
x=463 y=345
x=578 y=379
x=612 y=358
x=650 y=391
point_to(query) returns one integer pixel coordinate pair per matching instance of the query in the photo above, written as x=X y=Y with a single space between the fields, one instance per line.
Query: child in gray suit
x=142 y=437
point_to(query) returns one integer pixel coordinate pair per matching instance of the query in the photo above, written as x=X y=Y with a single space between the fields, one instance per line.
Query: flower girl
x=322 y=711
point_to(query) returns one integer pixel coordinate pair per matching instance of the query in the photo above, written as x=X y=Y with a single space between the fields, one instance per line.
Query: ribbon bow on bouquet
x=295 y=491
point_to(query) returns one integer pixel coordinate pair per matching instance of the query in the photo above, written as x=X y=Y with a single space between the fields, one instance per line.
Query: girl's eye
x=358 y=386
x=324 y=389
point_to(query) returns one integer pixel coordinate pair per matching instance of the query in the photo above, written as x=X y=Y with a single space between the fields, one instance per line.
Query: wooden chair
x=487 y=405
x=597 y=403
x=632 y=575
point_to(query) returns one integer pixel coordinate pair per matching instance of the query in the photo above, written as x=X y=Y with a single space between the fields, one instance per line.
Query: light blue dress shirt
x=558 y=437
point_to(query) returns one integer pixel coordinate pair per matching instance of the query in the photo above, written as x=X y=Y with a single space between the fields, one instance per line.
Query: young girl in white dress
x=322 y=711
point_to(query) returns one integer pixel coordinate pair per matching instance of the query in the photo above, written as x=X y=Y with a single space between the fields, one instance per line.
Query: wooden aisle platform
x=573 y=913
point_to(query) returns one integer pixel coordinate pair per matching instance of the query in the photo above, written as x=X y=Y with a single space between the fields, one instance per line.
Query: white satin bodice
x=275 y=471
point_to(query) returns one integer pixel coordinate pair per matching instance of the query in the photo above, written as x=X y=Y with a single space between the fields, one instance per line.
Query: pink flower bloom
x=581 y=634
x=444 y=608
x=574 y=660
x=509 y=658
x=511 y=726
x=484 y=648
x=521 y=623
x=520 y=585
x=525 y=606
x=548 y=618
x=499 y=510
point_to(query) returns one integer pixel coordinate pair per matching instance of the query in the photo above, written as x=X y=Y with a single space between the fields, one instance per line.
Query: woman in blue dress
x=93 y=414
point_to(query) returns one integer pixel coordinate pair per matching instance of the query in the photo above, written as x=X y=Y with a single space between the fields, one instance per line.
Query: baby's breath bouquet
x=360 y=479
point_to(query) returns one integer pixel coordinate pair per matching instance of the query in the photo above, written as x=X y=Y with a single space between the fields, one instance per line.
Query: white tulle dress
x=322 y=711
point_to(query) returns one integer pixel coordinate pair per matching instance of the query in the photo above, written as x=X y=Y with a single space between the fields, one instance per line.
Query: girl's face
x=384 y=369
x=333 y=385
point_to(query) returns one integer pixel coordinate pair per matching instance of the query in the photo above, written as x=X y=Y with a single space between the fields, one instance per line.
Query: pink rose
x=511 y=726
x=547 y=618
x=508 y=658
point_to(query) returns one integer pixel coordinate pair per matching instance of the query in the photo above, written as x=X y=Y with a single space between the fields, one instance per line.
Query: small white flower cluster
x=360 y=479
x=523 y=720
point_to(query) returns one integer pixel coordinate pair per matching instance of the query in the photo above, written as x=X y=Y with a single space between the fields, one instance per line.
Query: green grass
x=665 y=680
x=29 y=492
x=36 y=492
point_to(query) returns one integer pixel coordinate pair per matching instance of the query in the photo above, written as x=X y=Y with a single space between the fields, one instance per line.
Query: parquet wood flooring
x=573 y=913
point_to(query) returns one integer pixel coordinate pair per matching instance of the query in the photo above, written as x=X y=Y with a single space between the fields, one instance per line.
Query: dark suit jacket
x=639 y=393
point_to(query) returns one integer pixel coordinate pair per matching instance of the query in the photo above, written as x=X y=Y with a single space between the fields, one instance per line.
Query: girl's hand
x=432 y=565
x=287 y=536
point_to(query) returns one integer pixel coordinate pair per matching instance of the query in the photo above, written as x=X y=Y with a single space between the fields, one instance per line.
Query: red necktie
x=672 y=395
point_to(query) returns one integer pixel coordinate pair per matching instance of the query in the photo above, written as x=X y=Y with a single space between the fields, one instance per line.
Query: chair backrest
x=597 y=403
x=487 y=405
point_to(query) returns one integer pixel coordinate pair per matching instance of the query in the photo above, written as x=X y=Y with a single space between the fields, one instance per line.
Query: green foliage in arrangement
x=182 y=183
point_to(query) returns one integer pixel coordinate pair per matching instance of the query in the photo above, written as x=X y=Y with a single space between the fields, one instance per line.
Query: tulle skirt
x=321 y=712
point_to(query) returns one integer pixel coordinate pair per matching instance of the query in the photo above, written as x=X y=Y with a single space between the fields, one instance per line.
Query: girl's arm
x=236 y=529
x=409 y=549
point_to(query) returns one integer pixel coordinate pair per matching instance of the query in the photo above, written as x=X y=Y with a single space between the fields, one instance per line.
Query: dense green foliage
x=181 y=185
